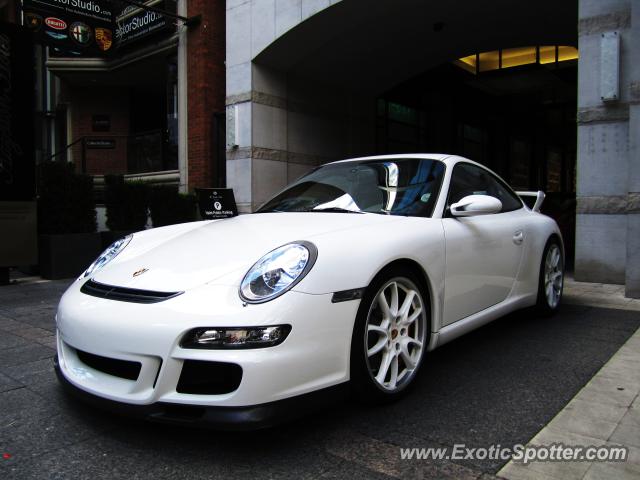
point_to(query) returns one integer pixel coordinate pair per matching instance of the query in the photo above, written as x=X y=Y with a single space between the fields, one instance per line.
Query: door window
x=469 y=179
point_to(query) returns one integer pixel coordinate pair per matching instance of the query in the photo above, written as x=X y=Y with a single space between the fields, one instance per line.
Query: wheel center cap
x=394 y=334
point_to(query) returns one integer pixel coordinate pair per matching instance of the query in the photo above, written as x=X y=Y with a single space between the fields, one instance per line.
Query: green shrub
x=126 y=203
x=168 y=207
x=65 y=200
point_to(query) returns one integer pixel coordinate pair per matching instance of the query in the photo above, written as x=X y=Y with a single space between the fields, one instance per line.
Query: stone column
x=279 y=126
x=633 y=201
x=603 y=243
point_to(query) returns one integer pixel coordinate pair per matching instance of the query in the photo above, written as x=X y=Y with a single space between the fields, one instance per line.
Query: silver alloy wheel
x=553 y=275
x=395 y=334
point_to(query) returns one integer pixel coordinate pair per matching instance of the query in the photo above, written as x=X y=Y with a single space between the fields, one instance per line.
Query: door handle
x=518 y=237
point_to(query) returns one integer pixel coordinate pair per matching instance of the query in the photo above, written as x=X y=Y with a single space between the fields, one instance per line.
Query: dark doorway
x=519 y=121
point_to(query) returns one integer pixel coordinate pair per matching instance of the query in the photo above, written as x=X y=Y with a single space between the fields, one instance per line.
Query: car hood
x=177 y=259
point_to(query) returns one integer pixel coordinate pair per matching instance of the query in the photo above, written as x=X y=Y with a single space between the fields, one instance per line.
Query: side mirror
x=472 y=205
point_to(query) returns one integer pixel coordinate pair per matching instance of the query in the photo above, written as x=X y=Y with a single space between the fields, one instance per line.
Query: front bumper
x=314 y=357
x=220 y=418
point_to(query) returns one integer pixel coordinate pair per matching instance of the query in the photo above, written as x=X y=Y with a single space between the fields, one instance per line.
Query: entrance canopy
x=370 y=46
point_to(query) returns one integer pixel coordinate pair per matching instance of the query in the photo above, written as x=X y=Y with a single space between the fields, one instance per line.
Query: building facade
x=151 y=107
x=255 y=93
x=309 y=81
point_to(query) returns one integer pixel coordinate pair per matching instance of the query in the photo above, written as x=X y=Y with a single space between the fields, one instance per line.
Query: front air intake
x=123 y=294
x=111 y=366
x=209 y=378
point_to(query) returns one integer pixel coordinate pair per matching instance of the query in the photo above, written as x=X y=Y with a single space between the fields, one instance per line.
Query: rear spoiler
x=539 y=196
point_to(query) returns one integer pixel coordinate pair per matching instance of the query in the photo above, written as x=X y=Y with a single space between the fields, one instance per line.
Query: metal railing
x=142 y=153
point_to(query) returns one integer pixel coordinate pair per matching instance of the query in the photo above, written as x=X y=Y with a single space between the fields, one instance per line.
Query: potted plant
x=68 y=241
x=167 y=206
x=127 y=207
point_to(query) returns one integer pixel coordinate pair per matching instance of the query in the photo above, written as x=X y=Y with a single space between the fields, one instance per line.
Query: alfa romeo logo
x=81 y=33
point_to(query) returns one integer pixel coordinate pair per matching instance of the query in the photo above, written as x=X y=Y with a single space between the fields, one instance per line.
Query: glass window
x=554 y=171
x=402 y=113
x=567 y=53
x=489 y=61
x=547 y=55
x=468 y=179
x=468 y=63
x=513 y=57
x=394 y=186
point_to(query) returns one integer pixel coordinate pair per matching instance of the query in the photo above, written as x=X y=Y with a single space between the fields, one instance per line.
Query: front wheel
x=551 y=279
x=390 y=337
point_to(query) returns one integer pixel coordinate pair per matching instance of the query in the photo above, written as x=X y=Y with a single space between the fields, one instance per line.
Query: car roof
x=443 y=157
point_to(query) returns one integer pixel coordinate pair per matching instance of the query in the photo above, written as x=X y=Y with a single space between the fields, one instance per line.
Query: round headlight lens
x=109 y=254
x=277 y=272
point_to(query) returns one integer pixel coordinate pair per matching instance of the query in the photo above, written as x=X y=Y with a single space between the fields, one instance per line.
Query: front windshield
x=398 y=186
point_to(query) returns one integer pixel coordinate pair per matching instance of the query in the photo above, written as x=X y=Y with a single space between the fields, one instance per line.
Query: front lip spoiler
x=247 y=418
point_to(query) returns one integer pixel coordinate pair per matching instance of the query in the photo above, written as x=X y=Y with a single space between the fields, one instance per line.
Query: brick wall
x=86 y=102
x=206 y=87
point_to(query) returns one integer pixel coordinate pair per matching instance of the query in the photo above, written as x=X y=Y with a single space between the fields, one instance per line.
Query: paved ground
x=598 y=295
x=606 y=412
x=501 y=384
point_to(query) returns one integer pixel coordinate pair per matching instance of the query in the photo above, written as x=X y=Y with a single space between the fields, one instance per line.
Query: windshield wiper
x=332 y=210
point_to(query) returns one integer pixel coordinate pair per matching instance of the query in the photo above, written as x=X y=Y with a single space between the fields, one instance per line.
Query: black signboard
x=101 y=123
x=72 y=27
x=133 y=24
x=216 y=203
x=95 y=27
x=100 y=143
x=17 y=157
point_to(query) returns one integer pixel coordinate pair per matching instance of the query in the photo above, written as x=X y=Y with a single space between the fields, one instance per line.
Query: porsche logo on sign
x=104 y=38
x=81 y=33
x=55 y=23
x=140 y=272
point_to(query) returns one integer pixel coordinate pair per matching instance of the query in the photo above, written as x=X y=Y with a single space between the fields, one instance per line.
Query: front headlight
x=278 y=271
x=109 y=254
x=235 y=337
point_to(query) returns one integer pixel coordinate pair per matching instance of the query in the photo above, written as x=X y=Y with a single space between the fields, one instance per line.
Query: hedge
x=65 y=200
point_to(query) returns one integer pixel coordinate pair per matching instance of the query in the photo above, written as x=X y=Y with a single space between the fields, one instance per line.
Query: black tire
x=544 y=306
x=400 y=338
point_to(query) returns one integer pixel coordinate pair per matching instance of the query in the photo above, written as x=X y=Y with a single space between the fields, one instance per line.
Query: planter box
x=67 y=255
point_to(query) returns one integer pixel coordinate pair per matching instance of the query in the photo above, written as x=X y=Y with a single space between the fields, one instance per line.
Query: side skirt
x=465 y=325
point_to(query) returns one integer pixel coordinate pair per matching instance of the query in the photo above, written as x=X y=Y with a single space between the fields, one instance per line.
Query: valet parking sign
x=215 y=203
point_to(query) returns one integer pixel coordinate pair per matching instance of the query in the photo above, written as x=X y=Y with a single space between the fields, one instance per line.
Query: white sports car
x=342 y=282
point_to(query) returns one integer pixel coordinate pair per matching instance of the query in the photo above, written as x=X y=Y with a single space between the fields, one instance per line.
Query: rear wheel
x=551 y=281
x=390 y=337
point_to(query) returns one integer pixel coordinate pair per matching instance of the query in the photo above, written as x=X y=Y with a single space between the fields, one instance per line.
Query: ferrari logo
x=33 y=21
x=140 y=272
x=81 y=33
x=104 y=38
